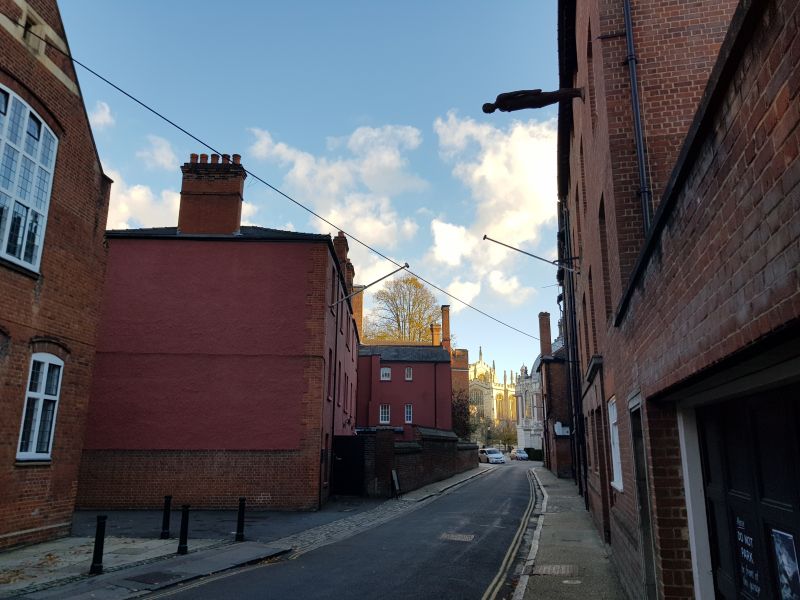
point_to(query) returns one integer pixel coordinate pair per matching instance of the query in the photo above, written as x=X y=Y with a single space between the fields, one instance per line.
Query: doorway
x=643 y=496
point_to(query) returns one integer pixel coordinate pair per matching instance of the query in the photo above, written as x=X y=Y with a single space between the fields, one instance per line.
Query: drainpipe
x=644 y=188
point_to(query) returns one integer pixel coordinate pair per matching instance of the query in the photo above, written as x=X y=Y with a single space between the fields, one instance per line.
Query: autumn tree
x=463 y=424
x=404 y=310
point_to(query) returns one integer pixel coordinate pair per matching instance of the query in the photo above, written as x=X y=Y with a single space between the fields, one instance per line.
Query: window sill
x=616 y=486
x=36 y=462
x=35 y=275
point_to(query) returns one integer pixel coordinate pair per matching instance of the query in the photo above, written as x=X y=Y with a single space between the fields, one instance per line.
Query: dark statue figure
x=511 y=101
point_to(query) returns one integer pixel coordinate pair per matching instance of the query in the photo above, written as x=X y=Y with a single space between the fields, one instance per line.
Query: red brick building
x=683 y=323
x=557 y=410
x=53 y=205
x=226 y=358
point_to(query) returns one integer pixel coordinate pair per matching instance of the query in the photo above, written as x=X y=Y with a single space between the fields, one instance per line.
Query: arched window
x=27 y=156
x=41 y=407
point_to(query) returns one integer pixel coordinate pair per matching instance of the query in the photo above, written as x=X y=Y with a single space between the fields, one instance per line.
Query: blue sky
x=368 y=112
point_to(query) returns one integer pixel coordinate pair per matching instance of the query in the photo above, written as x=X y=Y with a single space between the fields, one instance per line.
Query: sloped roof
x=406 y=353
x=246 y=233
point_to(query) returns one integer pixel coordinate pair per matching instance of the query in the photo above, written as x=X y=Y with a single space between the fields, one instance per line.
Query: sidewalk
x=137 y=562
x=567 y=557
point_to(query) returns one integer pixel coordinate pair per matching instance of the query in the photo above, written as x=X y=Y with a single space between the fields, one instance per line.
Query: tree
x=506 y=432
x=404 y=311
x=463 y=424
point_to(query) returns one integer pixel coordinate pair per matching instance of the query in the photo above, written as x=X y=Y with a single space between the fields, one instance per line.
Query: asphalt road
x=451 y=548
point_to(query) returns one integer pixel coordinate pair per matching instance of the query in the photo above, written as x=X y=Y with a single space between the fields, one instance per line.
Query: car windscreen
x=492 y=451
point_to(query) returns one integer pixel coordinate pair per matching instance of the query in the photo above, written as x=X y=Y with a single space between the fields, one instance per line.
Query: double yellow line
x=508 y=560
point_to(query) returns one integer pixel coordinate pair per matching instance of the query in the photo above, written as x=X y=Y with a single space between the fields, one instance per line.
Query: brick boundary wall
x=433 y=455
x=213 y=479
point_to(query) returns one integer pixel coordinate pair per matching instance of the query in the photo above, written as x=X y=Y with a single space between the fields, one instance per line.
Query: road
x=460 y=546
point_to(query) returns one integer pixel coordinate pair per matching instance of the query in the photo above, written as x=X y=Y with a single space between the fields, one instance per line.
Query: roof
x=246 y=233
x=407 y=353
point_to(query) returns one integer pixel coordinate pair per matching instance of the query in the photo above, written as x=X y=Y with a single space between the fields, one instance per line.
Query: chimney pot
x=237 y=158
x=193 y=157
x=226 y=158
x=214 y=159
x=204 y=158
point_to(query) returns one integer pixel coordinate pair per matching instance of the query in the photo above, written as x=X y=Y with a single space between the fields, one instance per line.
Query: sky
x=369 y=113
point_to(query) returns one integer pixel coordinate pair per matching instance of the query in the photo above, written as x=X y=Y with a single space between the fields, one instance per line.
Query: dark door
x=643 y=496
x=347 y=472
x=750 y=452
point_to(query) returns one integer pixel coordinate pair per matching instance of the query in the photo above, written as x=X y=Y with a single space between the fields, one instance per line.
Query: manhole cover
x=156 y=577
x=563 y=570
x=457 y=537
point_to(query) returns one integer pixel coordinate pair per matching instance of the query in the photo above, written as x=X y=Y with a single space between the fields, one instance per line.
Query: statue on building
x=511 y=101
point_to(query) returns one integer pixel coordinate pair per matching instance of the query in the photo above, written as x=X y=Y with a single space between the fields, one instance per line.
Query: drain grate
x=457 y=537
x=155 y=577
x=563 y=570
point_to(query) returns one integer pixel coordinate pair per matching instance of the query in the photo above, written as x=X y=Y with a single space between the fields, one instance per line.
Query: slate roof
x=246 y=233
x=406 y=353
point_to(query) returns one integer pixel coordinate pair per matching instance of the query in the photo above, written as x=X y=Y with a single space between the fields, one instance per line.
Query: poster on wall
x=786 y=559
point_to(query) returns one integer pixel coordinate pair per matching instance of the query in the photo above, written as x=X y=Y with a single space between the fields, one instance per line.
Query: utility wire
x=266 y=183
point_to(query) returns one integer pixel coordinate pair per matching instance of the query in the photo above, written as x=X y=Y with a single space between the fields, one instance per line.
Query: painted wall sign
x=786 y=562
x=749 y=573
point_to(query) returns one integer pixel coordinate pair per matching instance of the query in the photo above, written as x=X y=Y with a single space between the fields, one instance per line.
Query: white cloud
x=101 y=116
x=509 y=287
x=465 y=291
x=511 y=175
x=451 y=242
x=354 y=189
x=138 y=206
x=159 y=155
x=248 y=212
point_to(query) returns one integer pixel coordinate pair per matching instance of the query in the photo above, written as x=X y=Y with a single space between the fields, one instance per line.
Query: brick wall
x=719 y=274
x=55 y=310
x=433 y=456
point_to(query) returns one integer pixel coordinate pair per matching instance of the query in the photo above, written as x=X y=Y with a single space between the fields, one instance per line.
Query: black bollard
x=165 y=518
x=240 y=522
x=183 y=548
x=99 y=540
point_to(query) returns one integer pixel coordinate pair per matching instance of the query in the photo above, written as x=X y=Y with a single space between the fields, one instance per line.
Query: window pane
x=15 y=122
x=33 y=134
x=8 y=168
x=33 y=237
x=48 y=148
x=46 y=426
x=27 y=425
x=5 y=206
x=14 y=247
x=3 y=109
x=53 y=377
x=36 y=376
x=25 y=183
x=40 y=190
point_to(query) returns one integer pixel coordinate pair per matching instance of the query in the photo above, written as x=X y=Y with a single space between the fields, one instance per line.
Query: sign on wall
x=786 y=562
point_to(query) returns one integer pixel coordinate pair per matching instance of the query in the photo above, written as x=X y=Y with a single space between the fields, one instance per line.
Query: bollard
x=99 y=540
x=240 y=522
x=165 y=518
x=183 y=548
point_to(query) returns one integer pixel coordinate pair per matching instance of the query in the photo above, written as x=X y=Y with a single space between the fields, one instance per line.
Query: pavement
x=136 y=562
x=567 y=558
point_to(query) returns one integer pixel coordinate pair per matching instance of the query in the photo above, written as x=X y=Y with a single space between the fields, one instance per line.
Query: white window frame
x=384 y=414
x=35 y=400
x=616 y=459
x=386 y=373
x=409 y=413
x=409 y=373
x=26 y=182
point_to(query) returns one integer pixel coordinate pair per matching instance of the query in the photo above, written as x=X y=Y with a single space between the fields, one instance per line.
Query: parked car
x=491 y=455
x=519 y=454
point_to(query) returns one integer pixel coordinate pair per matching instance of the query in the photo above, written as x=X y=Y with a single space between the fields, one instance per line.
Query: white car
x=491 y=455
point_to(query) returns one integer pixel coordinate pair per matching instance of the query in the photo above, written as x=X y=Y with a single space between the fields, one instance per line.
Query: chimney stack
x=349 y=275
x=436 y=334
x=358 y=308
x=446 y=327
x=211 y=195
x=545 y=339
x=341 y=247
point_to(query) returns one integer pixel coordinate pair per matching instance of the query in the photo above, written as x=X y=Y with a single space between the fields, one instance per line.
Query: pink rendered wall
x=429 y=392
x=203 y=345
